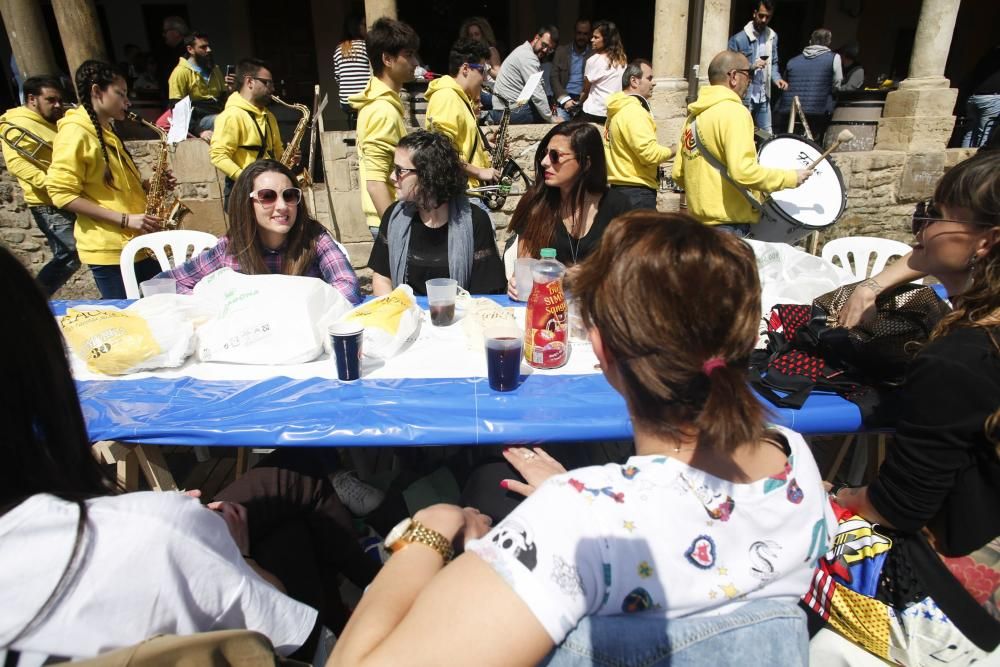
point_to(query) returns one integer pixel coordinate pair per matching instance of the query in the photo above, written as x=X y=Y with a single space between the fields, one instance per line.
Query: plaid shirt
x=331 y=264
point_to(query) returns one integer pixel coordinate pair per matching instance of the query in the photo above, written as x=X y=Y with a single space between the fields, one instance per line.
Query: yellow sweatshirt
x=77 y=170
x=726 y=129
x=184 y=80
x=632 y=151
x=380 y=127
x=450 y=113
x=239 y=130
x=29 y=177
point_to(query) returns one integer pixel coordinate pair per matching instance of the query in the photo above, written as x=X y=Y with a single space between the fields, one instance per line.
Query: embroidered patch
x=580 y=487
x=794 y=492
x=645 y=570
x=517 y=540
x=638 y=600
x=778 y=481
x=629 y=525
x=763 y=553
x=701 y=553
x=566 y=577
x=628 y=472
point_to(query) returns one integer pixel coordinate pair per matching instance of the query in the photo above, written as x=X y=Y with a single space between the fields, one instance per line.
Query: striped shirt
x=330 y=264
x=352 y=73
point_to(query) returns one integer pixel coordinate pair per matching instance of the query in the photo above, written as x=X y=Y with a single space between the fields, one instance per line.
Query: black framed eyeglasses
x=266 y=82
x=927 y=213
x=268 y=197
x=400 y=171
x=748 y=72
x=555 y=157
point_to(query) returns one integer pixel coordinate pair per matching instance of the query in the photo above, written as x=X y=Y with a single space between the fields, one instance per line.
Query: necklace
x=678 y=449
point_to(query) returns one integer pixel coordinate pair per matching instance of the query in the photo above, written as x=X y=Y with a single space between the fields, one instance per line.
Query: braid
x=89 y=74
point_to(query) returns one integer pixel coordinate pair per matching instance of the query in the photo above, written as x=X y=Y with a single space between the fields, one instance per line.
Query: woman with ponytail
x=937 y=493
x=93 y=175
x=713 y=510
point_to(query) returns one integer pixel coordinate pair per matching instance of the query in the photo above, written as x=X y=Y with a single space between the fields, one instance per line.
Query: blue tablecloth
x=281 y=411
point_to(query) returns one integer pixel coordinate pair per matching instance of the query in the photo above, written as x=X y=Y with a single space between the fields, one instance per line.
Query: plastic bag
x=266 y=319
x=391 y=322
x=156 y=332
x=790 y=275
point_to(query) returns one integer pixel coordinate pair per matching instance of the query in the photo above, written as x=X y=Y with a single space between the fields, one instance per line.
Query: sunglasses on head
x=268 y=197
x=555 y=157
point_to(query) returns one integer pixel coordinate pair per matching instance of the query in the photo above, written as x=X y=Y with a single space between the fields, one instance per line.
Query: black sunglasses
x=928 y=213
x=268 y=197
x=402 y=171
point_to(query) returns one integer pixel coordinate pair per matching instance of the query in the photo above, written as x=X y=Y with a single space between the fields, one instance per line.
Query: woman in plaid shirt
x=265 y=236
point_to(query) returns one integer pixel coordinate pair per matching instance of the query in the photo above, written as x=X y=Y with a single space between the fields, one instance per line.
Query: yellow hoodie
x=631 y=148
x=29 y=177
x=450 y=113
x=77 y=170
x=237 y=137
x=380 y=127
x=726 y=129
x=185 y=80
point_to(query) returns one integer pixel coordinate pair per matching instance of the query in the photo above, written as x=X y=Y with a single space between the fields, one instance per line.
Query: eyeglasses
x=268 y=197
x=555 y=157
x=401 y=171
x=266 y=82
x=748 y=72
x=477 y=66
x=547 y=46
x=928 y=213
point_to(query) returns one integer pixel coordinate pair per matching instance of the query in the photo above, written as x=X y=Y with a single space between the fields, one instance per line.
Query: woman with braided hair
x=93 y=175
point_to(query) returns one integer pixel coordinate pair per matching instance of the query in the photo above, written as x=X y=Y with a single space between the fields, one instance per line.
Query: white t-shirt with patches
x=659 y=536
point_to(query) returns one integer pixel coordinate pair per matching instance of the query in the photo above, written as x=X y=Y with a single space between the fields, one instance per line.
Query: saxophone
x=304 y=179
x=160 y=203
x=495 y=195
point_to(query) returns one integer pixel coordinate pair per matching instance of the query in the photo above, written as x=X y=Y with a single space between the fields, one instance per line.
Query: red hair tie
x=711 y=364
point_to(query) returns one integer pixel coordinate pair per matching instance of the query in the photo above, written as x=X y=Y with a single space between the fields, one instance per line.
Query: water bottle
x=545 y=325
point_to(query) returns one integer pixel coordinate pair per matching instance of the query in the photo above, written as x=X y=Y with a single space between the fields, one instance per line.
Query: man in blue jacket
x=759 y=44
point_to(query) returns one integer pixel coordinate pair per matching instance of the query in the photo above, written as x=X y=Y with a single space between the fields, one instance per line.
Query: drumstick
x=845 y=135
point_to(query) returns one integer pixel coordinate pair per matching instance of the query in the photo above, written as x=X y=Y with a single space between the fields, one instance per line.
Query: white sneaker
x=358 y=497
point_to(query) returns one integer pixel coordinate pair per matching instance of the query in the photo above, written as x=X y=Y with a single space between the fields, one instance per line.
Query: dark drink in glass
x=503 y=360
x=442 y=314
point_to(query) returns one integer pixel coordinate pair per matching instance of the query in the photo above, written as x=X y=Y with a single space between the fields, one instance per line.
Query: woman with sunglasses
x=433 y=231
x=271 y=231
x=569 y=205
x=602 y=75
x=942 y=476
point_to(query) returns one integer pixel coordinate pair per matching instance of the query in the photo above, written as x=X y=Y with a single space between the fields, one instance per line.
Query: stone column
x=29 y=38
x=714 y=32
x=918 y=116
x=670 y=25
x=80 y=32
x=376 y=9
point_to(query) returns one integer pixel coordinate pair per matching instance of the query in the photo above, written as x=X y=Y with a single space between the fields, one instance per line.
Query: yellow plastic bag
x=112 y=342
x=391 y=322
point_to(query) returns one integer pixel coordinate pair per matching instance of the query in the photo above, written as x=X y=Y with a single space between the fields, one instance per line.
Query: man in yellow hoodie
x=198 y=77
x=42 y=107
x=246 y=131
x=631 y=148
x=725 y=129
x=392 y=47
x=450 y=111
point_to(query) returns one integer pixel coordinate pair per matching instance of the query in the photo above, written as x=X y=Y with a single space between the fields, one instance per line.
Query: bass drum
x=790 y=215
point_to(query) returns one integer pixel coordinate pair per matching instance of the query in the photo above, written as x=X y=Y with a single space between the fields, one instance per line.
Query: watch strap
x=421 y=534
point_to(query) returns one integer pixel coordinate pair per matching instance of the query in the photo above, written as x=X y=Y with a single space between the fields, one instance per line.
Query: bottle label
x=545 y=326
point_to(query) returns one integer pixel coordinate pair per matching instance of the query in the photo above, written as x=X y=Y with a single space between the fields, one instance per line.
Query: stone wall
x=882 y=187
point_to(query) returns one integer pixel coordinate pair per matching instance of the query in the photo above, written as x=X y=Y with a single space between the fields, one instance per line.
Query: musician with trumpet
x=246 y=130
x=450 y=111
x=93 y=175
x=27 y=132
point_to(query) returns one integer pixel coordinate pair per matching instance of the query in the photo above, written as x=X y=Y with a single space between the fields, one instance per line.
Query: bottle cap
x=548 y=253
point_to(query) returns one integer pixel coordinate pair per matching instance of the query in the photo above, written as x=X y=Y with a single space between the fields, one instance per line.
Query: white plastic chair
x=854 y=253
x=183 y=244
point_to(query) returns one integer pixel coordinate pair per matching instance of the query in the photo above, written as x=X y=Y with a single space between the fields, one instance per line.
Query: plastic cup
x=441 y=294
x=503 y=357
x=522 y=276
x=158 y=286
x=346 y=338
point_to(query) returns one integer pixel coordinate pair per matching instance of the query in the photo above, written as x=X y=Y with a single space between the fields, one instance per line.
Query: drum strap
x=715 y=162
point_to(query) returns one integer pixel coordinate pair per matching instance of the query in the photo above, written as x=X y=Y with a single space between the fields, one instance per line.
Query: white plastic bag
x=391 y=322
x=156 y=332
x=790 y=275
x=266 y=319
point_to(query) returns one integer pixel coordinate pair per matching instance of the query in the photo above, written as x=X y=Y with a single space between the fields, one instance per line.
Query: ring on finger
x=528 y=455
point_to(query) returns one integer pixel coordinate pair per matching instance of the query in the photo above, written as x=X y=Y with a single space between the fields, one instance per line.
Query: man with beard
x=246 y=131
x=522 y=62
x=567 y=70
x=41 y=109
x=197 y=77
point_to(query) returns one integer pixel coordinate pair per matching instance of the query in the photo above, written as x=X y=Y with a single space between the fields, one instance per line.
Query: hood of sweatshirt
x=238 y=101
x=442 y=83
x=709 y=96
x=622 y=100
x=22 y=114
x=815 y=50
x=78 y=118
x=375 y=90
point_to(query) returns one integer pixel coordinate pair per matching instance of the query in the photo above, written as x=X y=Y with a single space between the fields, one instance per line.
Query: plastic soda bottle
x=545 y=318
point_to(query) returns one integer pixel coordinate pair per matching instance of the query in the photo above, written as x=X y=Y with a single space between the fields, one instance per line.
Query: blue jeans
x=109 y=277
x=523 y=115
x=762 y=632
x=57 y=226
x=566 y=115
x=741 y=230
x=761 y=112
x=981 y=113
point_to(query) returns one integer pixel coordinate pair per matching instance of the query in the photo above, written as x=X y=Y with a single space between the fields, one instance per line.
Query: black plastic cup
x=346 y=339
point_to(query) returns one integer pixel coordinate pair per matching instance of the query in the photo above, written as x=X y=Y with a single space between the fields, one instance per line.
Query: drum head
x=818 y=202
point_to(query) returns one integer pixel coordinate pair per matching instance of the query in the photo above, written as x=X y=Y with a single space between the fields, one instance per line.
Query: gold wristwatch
x=409 y=531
